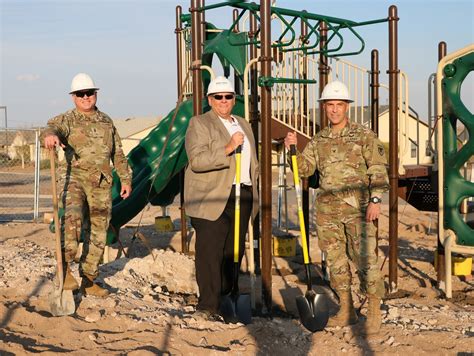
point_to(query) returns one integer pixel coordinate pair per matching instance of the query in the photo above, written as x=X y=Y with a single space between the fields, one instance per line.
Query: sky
x=128 y=47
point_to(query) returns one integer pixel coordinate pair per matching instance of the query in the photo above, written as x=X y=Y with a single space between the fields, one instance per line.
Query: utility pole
x=6 y=128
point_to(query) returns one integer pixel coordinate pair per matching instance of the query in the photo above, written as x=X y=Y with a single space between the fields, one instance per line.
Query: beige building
x=409 y=129
x=133 y=130
x=21 y=145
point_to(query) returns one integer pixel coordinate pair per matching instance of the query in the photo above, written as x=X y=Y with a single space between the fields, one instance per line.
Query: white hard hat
x=336 y=90
x=82 y=81
x=220 y=85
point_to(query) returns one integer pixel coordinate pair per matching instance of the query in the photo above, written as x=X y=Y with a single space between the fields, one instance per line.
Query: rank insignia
x=381 y=150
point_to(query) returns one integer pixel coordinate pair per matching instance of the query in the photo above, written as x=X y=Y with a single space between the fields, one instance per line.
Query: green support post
x=456 y=188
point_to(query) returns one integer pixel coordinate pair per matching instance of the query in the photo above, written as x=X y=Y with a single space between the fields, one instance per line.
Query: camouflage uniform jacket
x=91 y=143
x=351 y=163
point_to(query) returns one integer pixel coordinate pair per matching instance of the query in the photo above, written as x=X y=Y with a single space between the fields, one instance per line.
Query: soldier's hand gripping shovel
x=236 y=307
x=312 y=307
x=61 y=301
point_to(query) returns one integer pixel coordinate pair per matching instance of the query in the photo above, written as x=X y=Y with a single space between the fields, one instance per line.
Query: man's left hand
x=125 y=191
x=373 y=212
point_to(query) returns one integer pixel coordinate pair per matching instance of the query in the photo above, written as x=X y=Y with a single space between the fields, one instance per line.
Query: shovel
x=236 y=307
x=312 y=307
x=61 y=302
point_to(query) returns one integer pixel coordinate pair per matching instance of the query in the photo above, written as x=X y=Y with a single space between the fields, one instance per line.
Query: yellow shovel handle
x=238 y=154
x=299 y=200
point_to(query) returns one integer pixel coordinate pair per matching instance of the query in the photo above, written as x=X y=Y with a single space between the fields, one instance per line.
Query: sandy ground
x=150 y=310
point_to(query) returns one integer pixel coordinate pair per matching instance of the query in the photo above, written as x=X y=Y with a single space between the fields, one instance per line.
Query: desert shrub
x=15 y=162
x=4 y=159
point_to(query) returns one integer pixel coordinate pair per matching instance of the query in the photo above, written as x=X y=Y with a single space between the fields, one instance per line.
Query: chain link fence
x=25 y=179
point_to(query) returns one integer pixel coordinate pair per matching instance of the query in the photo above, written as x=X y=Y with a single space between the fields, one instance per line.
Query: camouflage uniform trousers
x=344 y=234
x=86 y=202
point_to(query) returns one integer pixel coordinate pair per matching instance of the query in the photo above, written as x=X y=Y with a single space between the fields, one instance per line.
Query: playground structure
x=276 y=82
x=454 y=232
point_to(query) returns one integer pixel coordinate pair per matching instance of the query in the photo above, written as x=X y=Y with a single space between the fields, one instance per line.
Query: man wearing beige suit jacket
x=209 y=191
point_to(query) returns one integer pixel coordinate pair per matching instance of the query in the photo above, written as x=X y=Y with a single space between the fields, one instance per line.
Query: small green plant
x=23 y=152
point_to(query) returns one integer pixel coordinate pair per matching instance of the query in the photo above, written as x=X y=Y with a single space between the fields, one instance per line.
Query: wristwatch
x=375 y=200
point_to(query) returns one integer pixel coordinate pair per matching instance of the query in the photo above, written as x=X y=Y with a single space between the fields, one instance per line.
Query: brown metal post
x=323 y=69
x=266 y=177
x=237 y=81
x=374 y=91
x=178 y=30
x=254 y=123
x=253 y=79
x=393 y=149
x=202 y=23
x=440 y=266
x=184 y=232
x=304 y=93
x=304 y=72
x=374 y=104
x=235 y=15
x=305 y=202
x=196 y=53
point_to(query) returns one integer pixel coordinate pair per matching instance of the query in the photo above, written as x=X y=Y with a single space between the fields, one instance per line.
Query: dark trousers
x=215 y=250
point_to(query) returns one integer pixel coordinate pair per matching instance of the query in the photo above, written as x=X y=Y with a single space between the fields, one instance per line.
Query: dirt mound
x=151 y=308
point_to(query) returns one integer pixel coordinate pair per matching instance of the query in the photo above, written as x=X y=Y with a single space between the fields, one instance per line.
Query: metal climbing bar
x=334 y=25
x=269 y=81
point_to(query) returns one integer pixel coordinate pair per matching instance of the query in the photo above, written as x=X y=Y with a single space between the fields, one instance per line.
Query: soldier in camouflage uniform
x=353 y=176
x=90 y=142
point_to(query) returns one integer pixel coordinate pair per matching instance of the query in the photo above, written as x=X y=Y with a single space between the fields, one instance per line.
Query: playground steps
x=419 y=187
x=279 y=131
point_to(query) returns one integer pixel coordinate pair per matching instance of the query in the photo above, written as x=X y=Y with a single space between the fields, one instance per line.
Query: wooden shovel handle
x=57 y=226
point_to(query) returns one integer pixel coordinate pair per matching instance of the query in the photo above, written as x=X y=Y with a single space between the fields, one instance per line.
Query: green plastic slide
x=153 y=181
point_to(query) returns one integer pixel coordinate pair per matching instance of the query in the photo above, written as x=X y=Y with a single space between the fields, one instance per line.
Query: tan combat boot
x=70 y=282
x=374 y=317
x=88 y=287
x=346 y=314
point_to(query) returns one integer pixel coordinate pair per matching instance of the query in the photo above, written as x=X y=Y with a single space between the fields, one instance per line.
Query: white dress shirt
x=233 y=127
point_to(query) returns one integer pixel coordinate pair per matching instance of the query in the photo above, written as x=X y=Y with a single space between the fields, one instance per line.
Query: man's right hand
x=236 y=140
x=52 y=141
x=290 y=139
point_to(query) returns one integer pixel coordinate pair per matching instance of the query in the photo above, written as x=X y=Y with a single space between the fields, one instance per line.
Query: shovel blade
x=235 y=309
x=61 y=302
x=243 y=308
x=313 y=310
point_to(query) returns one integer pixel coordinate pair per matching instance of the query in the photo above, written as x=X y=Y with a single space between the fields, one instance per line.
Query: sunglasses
x=220 y=97
x=81 y=94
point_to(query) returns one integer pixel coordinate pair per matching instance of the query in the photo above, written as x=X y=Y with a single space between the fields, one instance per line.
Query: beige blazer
x=210 y=173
